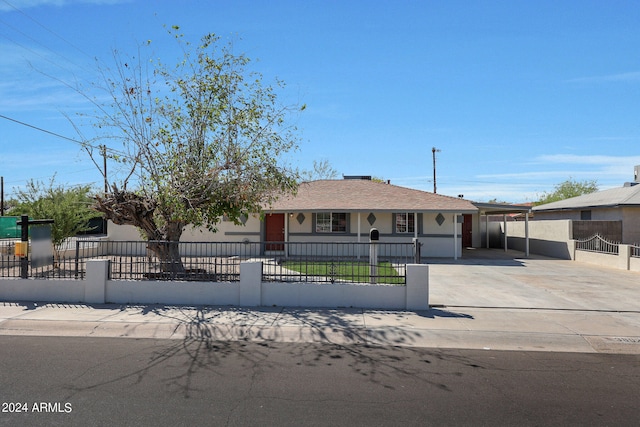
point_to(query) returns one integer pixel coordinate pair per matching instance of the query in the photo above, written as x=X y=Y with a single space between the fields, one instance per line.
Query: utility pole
x=434 y=150
x=103 y=148
x=1 y=195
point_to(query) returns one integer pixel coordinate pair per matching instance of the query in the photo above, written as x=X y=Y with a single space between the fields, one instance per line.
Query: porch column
x=526 y=234
x=504 y=220
x=286 y=234
x=359 y=236
x=486 y=229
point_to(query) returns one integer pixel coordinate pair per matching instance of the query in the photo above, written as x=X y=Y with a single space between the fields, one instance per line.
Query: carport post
x=504 y=219
x=486 y=230
x=455 y=236
x=526 y=234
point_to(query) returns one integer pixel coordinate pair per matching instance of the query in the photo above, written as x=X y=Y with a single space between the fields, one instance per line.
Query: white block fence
x=250 y=291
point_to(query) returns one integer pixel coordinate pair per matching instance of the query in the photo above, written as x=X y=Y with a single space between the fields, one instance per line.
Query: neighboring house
x=617 y=204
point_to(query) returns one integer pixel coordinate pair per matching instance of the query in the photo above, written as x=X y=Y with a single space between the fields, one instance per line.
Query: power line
x=43 y=46
x=45 y=131
x=39 y=53
x=84 y=144
x=47 y=29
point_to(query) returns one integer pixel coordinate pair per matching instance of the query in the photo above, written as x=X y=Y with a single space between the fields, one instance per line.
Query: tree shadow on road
x=209 y=341
x=311 y=337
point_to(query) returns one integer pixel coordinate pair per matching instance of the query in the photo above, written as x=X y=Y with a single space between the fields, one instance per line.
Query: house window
x=405 y=222
x=585 y=215
x=331 y=222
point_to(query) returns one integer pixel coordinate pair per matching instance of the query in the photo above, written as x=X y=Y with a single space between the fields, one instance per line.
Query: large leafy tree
x=200 y=140
x=568 y=189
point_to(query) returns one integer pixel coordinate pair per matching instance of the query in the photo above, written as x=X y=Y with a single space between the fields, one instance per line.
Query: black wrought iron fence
x=319 y=262
x=9 y=263
x=596 y=243
x=160 y=260
x=341 y=262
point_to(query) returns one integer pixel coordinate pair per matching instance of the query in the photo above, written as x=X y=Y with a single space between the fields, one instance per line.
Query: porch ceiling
x=501 y=209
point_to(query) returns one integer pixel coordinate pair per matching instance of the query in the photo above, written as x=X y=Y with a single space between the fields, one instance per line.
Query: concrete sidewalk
x=460 y=327
x=488 y=300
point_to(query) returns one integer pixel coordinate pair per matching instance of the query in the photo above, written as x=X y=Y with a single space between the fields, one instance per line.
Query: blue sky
x=517 y=95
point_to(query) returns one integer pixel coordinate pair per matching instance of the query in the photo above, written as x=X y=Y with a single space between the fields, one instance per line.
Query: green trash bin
x=8 y=227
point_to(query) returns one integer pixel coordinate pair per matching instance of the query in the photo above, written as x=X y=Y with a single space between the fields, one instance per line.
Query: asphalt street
x=125 y=381
x=507 y=341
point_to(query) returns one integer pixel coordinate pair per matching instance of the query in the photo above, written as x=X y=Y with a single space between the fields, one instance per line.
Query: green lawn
x=346 y=270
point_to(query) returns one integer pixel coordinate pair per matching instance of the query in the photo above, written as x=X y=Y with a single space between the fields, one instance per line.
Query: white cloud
x=536 y=177
x=510 y=192
x=588 y=159
x=618 y=168
x=529 y=175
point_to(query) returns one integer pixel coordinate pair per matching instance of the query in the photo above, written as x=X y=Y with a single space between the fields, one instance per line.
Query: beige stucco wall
x=630 y=217
x=600 y=214
x=437 y=239
x=227 y=232
x=608 y=214
x=631 y=225
x=549 y=238
x=383 y=223
x=545 y=216
x=122 y=233
x=604 y=260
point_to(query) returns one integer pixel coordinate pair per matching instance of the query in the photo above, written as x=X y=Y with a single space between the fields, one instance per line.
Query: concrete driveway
x=493 y=278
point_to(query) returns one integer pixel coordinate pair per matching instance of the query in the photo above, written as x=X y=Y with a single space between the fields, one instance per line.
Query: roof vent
x=361 y=177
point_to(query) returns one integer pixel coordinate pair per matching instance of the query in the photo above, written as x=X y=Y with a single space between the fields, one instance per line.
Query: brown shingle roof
x=620 y=196
x=366 y=195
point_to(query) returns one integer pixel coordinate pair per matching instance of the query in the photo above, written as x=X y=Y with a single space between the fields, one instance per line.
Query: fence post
x=417 y=287
x=417 y=245
x=24 y=240
x=571 y=245
x=250 y=284
x=374 y=237
x=96 y=282
x=624 y=255
x=77 y=259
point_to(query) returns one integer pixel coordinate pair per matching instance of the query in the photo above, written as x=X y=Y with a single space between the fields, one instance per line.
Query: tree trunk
x=124 y=207
x=167 y=249
x=168 y=253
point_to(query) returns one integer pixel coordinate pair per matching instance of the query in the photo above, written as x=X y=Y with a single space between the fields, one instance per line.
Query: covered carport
x=491 y=209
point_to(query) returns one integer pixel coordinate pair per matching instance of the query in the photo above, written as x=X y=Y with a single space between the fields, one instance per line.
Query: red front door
x=467 y=240
x=274 y=231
